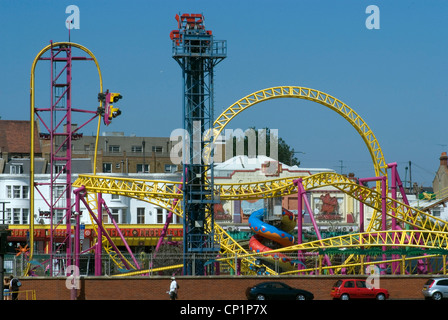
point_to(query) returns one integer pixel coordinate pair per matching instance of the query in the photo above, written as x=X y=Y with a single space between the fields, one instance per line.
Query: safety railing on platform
x=21 y=295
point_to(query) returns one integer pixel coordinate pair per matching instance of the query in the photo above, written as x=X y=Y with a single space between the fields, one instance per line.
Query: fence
x=157 y=264
x=22 y=295
x=166 y=264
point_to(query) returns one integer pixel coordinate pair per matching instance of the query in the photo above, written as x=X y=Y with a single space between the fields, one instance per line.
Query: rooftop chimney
x=443 y=159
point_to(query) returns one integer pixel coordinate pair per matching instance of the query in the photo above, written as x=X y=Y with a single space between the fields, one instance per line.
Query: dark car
x=275 y=290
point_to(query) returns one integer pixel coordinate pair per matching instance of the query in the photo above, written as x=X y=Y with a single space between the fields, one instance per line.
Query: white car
x=435 y=288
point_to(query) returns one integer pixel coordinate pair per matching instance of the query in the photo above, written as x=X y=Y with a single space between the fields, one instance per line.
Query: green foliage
x=286 y=154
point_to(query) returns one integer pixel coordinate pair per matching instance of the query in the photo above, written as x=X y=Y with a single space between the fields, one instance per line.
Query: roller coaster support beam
x=396 y=183
x=384 y=190
x=383 y=181
x=119 y=233
x=301 y=197
x=79 y=196
x=169 y=219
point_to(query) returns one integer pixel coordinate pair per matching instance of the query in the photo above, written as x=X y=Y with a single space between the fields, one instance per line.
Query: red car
x=357 y=289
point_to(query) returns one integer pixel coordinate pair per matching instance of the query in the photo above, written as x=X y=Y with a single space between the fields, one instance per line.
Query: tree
x=286 y=154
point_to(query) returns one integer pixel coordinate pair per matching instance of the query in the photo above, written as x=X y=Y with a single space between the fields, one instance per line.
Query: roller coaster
x=395 y=227
x=399 y=238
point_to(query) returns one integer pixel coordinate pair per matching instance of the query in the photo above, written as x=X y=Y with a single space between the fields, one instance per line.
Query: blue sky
x=395 y=78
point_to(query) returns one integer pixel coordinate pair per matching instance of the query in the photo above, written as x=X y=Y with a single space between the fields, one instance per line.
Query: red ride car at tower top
x=357 y=289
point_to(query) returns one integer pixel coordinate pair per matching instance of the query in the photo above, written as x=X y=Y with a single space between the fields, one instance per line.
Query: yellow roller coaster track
x=320 y=97
x=162 y=193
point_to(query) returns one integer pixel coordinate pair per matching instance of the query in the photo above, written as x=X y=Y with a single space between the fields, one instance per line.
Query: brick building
x=118 y=153
x=440 y=182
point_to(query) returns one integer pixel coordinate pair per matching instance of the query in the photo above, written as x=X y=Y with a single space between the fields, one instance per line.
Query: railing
x=168 y=263
x=28 y=294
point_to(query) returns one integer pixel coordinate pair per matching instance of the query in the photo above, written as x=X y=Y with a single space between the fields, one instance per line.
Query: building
x=332 y=208
x=127 y=212
x=15 y=144
x=118 y=153
x=440 y=182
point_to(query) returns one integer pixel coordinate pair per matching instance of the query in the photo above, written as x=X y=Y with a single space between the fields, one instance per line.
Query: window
x=115 y=215
x=16 y=192
x=58 y=195
x=157 y=148
x=25 y=215
x=138 y=149
x=114 y=148
x=25 y=192
x=58 y=214
x=142 y=168
x=16 y=215
x=107 y=167
x=59 y=168
x=16 y=168
x=436 y=212
x=159 y=215
x=141 y=215
x=123 y=215
x=58 y=192
x=170 y=168
x=105 y=216
x=8 y=216
x=115 y=197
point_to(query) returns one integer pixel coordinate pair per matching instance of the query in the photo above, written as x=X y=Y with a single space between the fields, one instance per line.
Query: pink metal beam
x=301 y=196
x=120 y=234
x=98 y=221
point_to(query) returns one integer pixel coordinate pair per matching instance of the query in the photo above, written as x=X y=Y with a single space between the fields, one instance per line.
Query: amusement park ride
x=399 y=238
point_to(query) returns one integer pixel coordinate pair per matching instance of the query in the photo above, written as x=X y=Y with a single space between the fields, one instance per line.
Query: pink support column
x=99 y=245
x=384 y=192
x=299 y=222
x=393 y=189
x=361 y=214
x=383 y=215
x=301 y=195
x=68 y=157
x=77 y=229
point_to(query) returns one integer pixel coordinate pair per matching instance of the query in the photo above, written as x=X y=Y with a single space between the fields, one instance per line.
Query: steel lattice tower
x=57 y=120
x=197 y=54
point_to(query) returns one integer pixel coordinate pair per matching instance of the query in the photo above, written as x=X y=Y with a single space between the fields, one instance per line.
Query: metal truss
x=314 y=95
x=415 y=229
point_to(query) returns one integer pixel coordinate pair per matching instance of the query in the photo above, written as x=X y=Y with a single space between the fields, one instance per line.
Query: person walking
x=14 y=285
x=6 y=294
x=174 y=287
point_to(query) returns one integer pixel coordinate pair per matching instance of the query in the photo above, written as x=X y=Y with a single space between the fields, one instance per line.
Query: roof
x=245 y=163
x=15 y=137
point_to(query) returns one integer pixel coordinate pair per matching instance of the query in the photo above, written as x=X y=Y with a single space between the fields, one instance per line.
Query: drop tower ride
x=197 y=53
